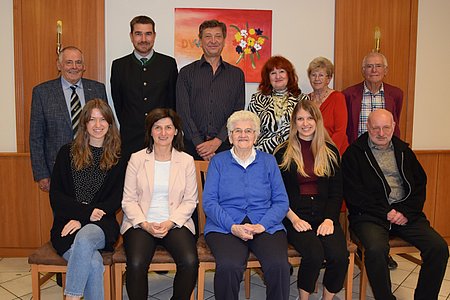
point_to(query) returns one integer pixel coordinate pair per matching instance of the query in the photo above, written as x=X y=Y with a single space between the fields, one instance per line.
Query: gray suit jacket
x=50 y=124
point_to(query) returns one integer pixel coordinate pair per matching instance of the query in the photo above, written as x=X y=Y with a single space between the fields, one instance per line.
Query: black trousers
x=315 y=250
x=433 y=250
x=231 y=255
x=140 y=247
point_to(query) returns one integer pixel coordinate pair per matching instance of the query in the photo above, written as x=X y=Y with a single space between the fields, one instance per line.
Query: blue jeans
x=85 y=264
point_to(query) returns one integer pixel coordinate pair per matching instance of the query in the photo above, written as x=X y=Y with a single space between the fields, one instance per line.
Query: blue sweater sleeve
x=213 y=210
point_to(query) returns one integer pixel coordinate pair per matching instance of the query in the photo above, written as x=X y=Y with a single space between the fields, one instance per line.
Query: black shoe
x=161 y=272
x=392 y=264
x=59 y=279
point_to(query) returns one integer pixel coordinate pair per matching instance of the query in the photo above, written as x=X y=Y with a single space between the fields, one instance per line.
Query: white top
x=159 y=206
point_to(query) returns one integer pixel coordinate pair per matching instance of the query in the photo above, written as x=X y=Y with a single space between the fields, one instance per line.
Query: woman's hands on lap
x=96 y=215
x=71 y=227
x=246 y=231
x=158 y=230
x=301 y=225
x=326 y=228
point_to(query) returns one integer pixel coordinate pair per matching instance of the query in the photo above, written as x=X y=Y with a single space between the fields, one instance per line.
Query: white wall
x=432 y=95
x=7 y=102
x=302 y=30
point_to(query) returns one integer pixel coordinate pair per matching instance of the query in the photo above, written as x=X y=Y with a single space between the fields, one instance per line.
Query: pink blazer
x=138 y=189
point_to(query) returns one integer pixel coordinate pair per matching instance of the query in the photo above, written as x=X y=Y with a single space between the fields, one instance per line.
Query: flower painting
x=248 y=43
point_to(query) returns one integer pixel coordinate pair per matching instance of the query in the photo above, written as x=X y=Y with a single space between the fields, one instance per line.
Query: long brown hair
x=80 y=150
x=325 y=159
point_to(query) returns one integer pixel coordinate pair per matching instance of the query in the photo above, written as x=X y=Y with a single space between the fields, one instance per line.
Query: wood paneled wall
x=26 y=215
x=83 y=26
x=354 y=38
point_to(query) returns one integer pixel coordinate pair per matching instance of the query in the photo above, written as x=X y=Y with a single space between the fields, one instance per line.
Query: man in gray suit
x=50 y=122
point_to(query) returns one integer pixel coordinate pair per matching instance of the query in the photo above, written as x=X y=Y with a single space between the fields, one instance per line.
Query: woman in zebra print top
x=277 y=95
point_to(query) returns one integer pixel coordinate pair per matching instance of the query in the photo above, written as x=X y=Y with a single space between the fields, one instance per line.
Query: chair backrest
x=201 y=168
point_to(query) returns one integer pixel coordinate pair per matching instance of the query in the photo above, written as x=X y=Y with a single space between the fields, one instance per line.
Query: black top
x=66 y=207
x=88 y=181
x=206 y=100
x=136 y=90
x=327 y=204
x=367 y=190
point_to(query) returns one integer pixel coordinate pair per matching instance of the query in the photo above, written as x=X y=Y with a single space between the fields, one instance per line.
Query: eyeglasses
x=374 y=66
x=239 y=131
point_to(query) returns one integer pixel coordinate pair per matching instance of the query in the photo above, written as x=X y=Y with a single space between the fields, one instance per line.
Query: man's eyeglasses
x=374 y=66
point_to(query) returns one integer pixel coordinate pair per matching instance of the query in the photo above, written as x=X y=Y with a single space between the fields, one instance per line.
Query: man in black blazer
x=140 y=82
x=50 y=121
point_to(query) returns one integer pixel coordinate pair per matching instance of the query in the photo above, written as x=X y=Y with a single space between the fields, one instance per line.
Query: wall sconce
x=58 y=36
x=377 y=37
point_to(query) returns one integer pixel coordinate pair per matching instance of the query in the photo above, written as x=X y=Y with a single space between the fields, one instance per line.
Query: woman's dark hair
x=154 y=116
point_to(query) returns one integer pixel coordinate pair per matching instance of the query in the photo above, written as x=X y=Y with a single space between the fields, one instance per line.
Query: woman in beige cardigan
x=159 y=197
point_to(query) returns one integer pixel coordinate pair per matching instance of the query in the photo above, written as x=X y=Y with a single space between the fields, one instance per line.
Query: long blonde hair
x=80 y=150
x=325 y=159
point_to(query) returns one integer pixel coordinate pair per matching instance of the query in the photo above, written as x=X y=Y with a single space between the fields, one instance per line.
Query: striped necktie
x=75 y=109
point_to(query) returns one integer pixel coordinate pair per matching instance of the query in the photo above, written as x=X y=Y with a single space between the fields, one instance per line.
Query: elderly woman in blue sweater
x=245 y=202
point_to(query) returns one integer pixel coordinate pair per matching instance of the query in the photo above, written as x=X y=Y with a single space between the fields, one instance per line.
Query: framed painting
x=248 y=44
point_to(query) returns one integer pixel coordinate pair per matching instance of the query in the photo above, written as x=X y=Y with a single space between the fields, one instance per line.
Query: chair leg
x=349 y=277
x=363 y=280
x=247 y=283
x=201 y=283
x=35 y=282
x=107 y=282
x=118 y=281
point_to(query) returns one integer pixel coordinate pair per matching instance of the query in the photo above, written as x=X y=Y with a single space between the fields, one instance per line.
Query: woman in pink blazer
x=159 y=197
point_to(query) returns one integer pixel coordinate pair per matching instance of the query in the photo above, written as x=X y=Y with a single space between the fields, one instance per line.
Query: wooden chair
x=397 y=246
x=207 y=261
x=45 y=260
x=162 y=261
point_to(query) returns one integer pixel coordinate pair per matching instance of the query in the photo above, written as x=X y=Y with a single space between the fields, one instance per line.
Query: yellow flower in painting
x=261 y=40
x=238 y=36
x=247 y=51
x=252 y=31
x=251 y=41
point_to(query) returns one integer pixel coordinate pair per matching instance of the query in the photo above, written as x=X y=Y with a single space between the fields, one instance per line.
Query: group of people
x=275 y=174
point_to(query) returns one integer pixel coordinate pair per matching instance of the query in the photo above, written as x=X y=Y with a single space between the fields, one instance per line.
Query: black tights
x=140 y=247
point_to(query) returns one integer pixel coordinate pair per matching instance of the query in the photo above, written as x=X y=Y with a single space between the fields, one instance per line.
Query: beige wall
x=432 y=104
x=7 y=103
x=302 y=30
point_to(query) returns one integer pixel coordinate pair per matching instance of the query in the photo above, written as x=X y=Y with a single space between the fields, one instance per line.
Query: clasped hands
x=207 y=149
x=246 y=231
x=158 y=230
x=397 y=218
x=326 y=228
x=73 y=225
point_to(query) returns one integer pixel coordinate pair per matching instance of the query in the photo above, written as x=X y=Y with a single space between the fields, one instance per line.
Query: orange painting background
x=187 y=49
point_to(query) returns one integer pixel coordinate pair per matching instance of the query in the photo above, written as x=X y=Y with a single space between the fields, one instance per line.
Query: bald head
x=380 y=126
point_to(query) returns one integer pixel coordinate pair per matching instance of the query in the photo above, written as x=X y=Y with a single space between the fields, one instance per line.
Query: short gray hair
x=60 y=54
x=385 y=63
x=244 y=115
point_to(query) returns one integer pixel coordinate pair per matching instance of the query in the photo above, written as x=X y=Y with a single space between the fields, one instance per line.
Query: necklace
x=319 y=97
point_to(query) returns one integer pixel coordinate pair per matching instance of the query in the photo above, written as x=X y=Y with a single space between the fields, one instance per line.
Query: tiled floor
x=15 y=283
